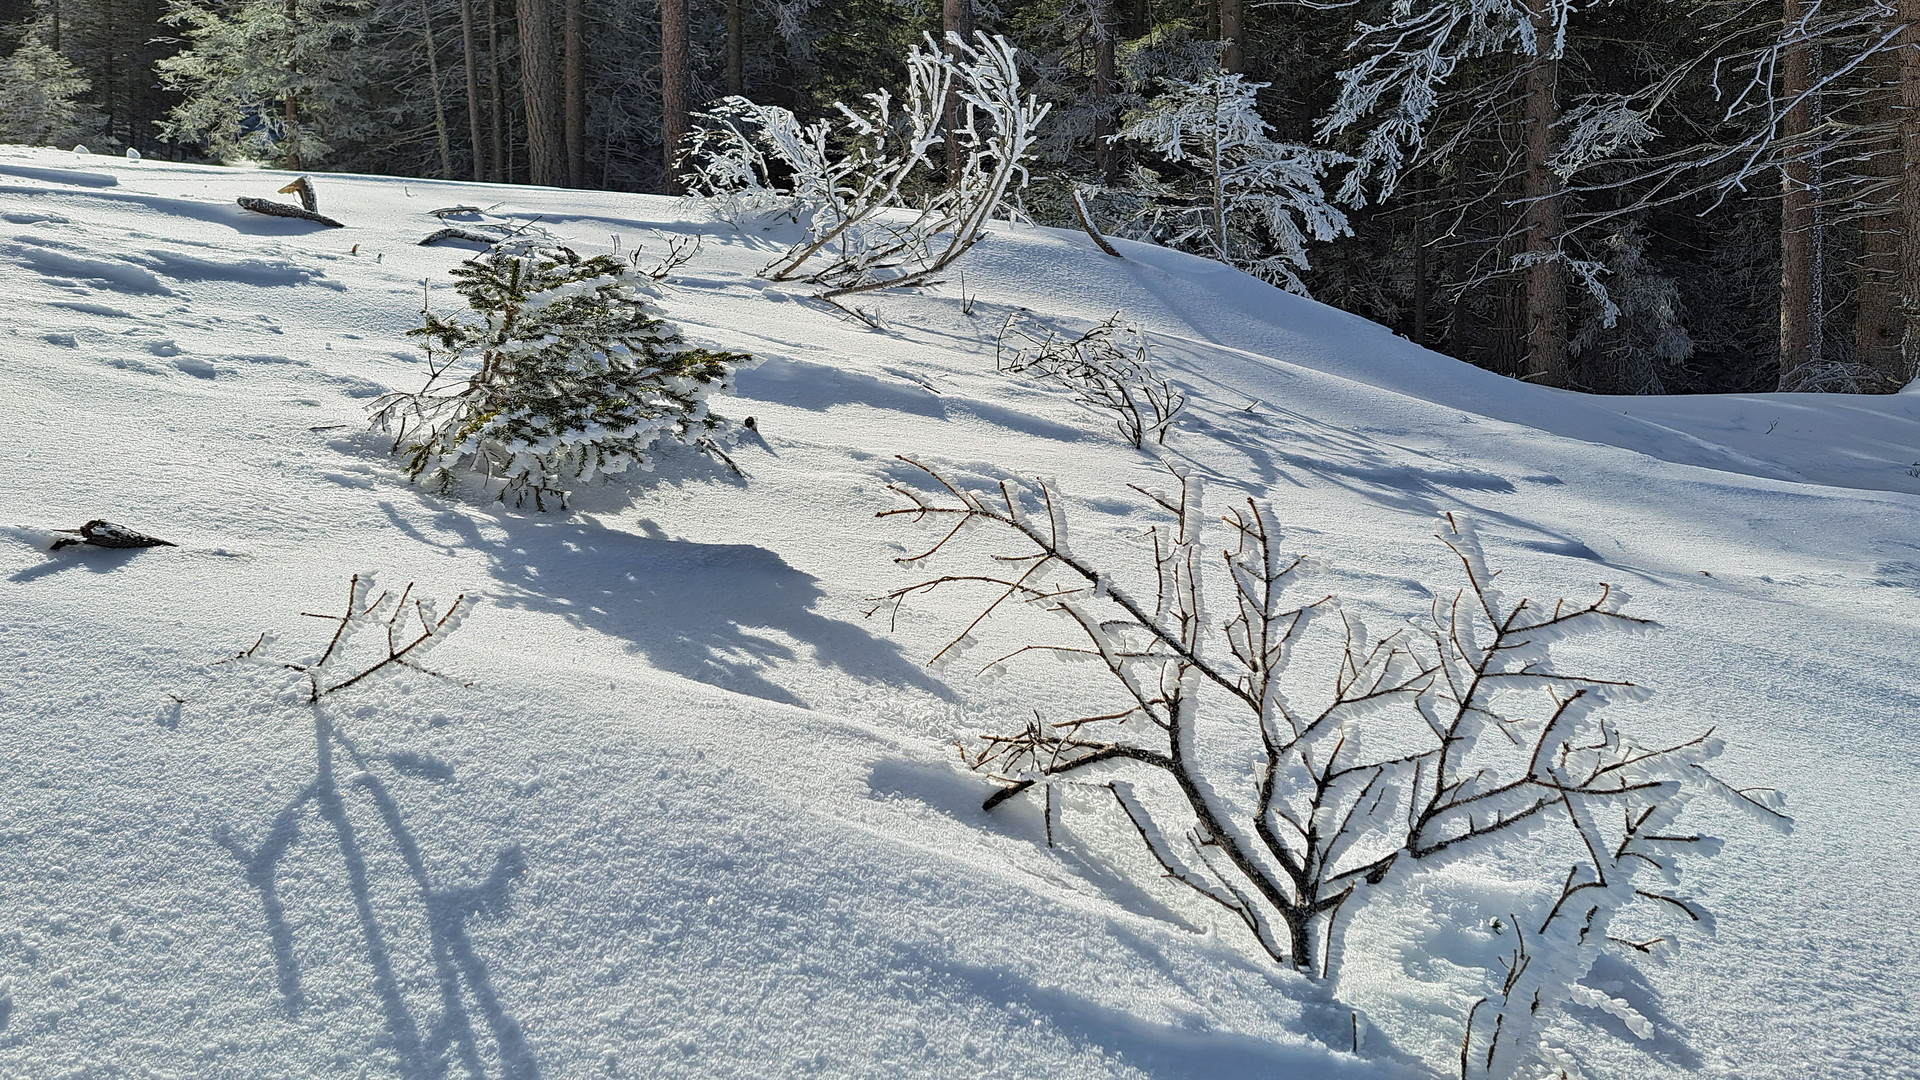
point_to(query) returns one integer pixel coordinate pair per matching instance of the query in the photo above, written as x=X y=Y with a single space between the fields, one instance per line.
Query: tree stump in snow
x=303 y=187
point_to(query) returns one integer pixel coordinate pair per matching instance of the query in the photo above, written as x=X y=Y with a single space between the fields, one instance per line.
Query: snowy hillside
x=696 y=815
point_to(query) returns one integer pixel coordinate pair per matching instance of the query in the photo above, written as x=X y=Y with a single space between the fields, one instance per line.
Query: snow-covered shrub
x=842 y=177
x=564 y=369
x=1109 y=367
x=1236 y=194
x=1449 y=739
x=40 y=93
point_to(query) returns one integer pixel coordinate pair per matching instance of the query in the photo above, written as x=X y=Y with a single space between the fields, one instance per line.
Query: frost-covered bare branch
x=1440 y=741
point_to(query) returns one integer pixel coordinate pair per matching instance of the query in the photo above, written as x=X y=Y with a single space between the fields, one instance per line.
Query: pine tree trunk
x=1233 y=31
x=496 y=99
x=1909 y=43
x=1106 y=160
x=576 y=77
x=1878 y=324
x=956 y=17
x=1796 y=210
x=540 y=94
x=736 y=51
x=1546 y=291
x=433 y=79
x=674 y=104
x=471 y=61
x=292 y=120
x=1421 y=290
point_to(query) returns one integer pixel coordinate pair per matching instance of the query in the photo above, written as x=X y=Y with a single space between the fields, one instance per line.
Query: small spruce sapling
x=577 y=375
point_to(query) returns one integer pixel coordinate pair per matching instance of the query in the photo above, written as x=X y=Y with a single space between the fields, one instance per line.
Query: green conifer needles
x=577 y=375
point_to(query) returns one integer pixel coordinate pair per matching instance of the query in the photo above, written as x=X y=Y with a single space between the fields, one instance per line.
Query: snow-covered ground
x=695 y=815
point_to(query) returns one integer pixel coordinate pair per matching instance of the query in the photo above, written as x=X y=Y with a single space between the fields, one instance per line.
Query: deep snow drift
x=695 y=815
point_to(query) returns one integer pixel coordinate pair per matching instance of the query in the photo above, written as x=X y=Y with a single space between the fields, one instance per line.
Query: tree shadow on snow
x=718 y=613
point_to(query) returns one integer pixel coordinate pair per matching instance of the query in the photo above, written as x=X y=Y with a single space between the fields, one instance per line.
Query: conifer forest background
x=1635 y=196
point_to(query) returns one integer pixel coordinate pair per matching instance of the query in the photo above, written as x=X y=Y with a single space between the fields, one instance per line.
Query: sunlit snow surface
x=696 y=816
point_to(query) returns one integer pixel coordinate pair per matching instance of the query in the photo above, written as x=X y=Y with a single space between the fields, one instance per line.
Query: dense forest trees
x=1635 y=196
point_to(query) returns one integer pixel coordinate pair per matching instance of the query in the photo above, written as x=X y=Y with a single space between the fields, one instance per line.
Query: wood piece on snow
x=303 y=187
x=467 y=235
x=103 y=533
x=449 y=211
x=280 y=209
x=1086 y=222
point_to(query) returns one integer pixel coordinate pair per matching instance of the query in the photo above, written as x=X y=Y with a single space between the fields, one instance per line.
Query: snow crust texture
x=680 y=810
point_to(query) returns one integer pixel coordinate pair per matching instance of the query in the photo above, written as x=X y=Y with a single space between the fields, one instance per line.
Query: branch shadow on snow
x=422 y=1050
x=717 y=613
x=1284 y=446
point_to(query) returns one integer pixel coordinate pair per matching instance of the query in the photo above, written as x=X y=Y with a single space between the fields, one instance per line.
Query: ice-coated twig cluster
x=1444 y=740
x=1110 y=367
x=873 y=220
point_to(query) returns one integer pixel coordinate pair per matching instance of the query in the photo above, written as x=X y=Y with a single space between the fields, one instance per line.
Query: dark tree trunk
x=1233 y=31
x=1909 y=42
x=496 y=99
x=433 y=79
x=956 y=17
x=470 y=60
x=576 y=77
x=1546 y=291
x=1879 y=325
x=540 y=94
x=736 y=51
x=1797 y=321
x=1421 y=289
x=292 y=119
x=674 y=104
x=1104 y=31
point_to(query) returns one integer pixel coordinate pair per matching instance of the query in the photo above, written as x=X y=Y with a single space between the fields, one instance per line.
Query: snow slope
x=695 y=815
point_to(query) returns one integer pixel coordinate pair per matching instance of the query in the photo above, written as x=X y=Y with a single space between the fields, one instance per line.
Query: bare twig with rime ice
x=850 y=178
x=1439 y=741
x=1110 y=367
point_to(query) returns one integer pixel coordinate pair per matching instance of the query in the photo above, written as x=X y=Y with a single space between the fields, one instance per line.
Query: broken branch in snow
x=286 y=210
x=410 y=626
x=303 y=187
x=1086 y=222
x=465 y=235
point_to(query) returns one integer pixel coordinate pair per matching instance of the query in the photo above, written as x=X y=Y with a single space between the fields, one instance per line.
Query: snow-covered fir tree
x=577 y=375
x=278 y=81
x=41 y=96
x=1253 y=202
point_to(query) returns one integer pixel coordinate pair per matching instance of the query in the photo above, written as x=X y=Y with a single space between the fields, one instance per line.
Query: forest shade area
x=1627 y=197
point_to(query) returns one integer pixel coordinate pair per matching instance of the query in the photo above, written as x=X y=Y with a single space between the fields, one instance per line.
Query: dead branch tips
x=408 y=625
